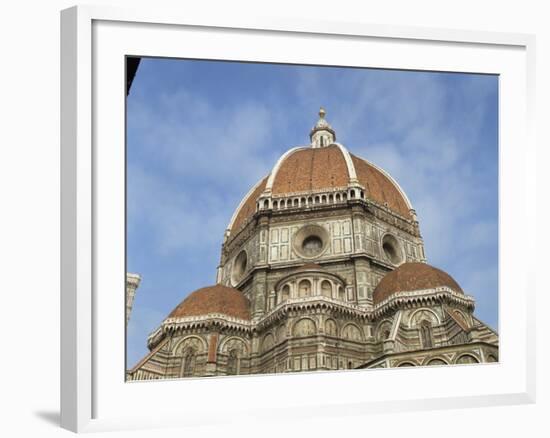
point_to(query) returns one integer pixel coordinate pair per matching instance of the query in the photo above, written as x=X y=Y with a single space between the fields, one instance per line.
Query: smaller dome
x=410 y=277
x=213 y=299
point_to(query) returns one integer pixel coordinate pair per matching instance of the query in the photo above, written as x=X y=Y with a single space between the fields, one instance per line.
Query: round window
x=390 y=246
x=312 y=245
x=239 y=267
x=310 y=241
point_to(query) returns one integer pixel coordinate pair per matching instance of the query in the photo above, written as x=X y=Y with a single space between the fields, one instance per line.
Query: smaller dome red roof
x=214 y=299
x=413 y=276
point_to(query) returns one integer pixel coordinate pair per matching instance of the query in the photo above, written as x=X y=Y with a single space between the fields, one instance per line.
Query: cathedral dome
x=413 y=276
x=323 y=166
x=213 y=299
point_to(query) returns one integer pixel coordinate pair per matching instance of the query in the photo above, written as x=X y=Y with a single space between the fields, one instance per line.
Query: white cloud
x=182 y=191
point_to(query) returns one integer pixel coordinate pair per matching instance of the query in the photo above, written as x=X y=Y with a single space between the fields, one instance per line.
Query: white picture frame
x=94 y=395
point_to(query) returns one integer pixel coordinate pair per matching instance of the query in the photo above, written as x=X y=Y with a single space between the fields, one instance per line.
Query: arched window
x=330 y=199
x=352 y=194
x=304 y=288
x=289 y=203
x=341 y=294
x=330 y=327
x=324 y=199
x=285 y=293
x=406 y=364
x=304 y=327
x=437 y=362
x=296 y=202
x=326 y=289
x=337 y=197
x=275 y=205
x=266 y=203
x=426 y=334
x=466 y=358
x=317 y=199
x=233 y=362
x=189 y=360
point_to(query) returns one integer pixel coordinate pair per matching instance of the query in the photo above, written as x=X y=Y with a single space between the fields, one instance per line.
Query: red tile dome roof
x=380 y=188
x=312 y=169
x=213 y=299
x=413 y=276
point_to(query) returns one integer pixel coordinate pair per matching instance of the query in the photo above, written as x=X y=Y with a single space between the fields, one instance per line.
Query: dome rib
x=247 y=207
x=273 y=173
x=307 y=169
x=381 y=187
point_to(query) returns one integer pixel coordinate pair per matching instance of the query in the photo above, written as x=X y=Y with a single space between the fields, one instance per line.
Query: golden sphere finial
x=322 y=112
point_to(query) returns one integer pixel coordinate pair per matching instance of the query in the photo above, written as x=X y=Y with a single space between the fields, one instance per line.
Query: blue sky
x=201 y=133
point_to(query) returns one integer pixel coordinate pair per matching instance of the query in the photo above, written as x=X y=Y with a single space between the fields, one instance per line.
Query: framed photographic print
x=315 y=209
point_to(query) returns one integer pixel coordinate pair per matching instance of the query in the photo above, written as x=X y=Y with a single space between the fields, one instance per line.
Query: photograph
x=285 y=218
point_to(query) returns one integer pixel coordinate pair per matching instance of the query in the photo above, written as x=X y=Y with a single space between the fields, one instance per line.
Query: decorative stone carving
x=351 y=332
x=304 y=327
x=191 y=342
x=268 y=342
x=423 y=315
x=331 y=328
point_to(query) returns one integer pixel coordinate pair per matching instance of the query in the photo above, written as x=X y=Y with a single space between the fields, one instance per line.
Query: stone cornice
x=425 y=296
x=397 y=301
x=210 y=321
x=460 y=348
x=307 y=272
x=307 y=303
x=380 y=211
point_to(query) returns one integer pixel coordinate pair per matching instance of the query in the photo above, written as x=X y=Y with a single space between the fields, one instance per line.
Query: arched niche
x=233 y=343
x=461 y=317
x=284 y=294
x=331 y=329
x=304 y=327
x=466 y=359
x=281 y=333
x=196 y=342
x=436 y=361
x=423 y=314
x=326 y=288
x=383 y=330
x=268 y=342
x=351 y=332
x=304 y=288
